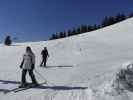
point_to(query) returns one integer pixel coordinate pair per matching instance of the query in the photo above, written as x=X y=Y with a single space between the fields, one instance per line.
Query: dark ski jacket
x=44 y=53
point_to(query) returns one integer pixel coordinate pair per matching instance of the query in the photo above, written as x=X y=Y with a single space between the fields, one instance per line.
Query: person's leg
x=32 y=77
x=42 y=61
x=41 y=64
x=45 y=60
x=23 y=79
x=24 y=75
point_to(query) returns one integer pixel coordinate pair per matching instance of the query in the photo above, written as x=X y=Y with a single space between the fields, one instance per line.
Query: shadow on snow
x=59 y=66
x=42 y=87
x=9 y=82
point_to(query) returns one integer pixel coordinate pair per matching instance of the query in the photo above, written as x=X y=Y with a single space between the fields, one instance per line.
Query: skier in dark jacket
x=28 y=65
x=45 y=55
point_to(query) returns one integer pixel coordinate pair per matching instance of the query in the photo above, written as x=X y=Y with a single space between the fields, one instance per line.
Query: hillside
x=80 y=67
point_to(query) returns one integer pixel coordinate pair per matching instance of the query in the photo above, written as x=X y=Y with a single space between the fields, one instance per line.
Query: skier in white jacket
x=28 y=65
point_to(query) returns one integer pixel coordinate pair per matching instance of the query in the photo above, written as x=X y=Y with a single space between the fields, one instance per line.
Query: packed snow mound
x=124 y=78
x=81 y=67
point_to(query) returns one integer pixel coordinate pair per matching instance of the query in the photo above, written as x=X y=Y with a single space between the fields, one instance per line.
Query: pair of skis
x=15 y=90
x=18 y=89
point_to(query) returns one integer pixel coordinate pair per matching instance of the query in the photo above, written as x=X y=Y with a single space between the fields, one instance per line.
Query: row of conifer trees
x=108 y=20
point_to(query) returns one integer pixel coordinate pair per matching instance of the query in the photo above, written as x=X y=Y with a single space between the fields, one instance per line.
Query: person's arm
x=33 y=59
x=21 y=65
x=33 y=62
x=47 y=53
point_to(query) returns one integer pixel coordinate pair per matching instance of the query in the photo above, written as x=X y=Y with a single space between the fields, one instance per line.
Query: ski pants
x=31 y=74
x=44 y=60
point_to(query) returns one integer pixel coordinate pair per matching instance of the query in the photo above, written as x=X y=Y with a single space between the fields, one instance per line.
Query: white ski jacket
x=29 y=59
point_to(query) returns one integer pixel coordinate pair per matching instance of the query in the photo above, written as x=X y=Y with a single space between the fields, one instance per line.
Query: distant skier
x=28 y=65
x=45 y=55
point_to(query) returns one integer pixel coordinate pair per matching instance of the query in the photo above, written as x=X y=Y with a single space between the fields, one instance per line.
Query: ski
x=28 y=87
x=24 y=88
x=15 y=90
x=6 y=92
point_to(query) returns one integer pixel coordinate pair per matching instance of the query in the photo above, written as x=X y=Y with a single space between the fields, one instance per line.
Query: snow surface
x=80 y=67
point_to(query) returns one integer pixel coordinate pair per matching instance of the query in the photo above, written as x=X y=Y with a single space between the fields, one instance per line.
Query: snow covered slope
x=79 y=68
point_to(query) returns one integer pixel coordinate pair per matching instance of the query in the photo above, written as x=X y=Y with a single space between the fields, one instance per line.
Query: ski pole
x=43 y=78
x=40 y=75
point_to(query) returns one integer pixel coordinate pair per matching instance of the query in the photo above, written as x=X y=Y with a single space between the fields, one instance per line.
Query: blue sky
x=34 y=20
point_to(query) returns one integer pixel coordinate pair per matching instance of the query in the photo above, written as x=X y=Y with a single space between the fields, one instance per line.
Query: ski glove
x=22 y=64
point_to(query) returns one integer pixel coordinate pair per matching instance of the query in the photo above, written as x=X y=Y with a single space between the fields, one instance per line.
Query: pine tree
x=69 y=33
x=131 y=15
x=120 y=17
x=8 y=41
